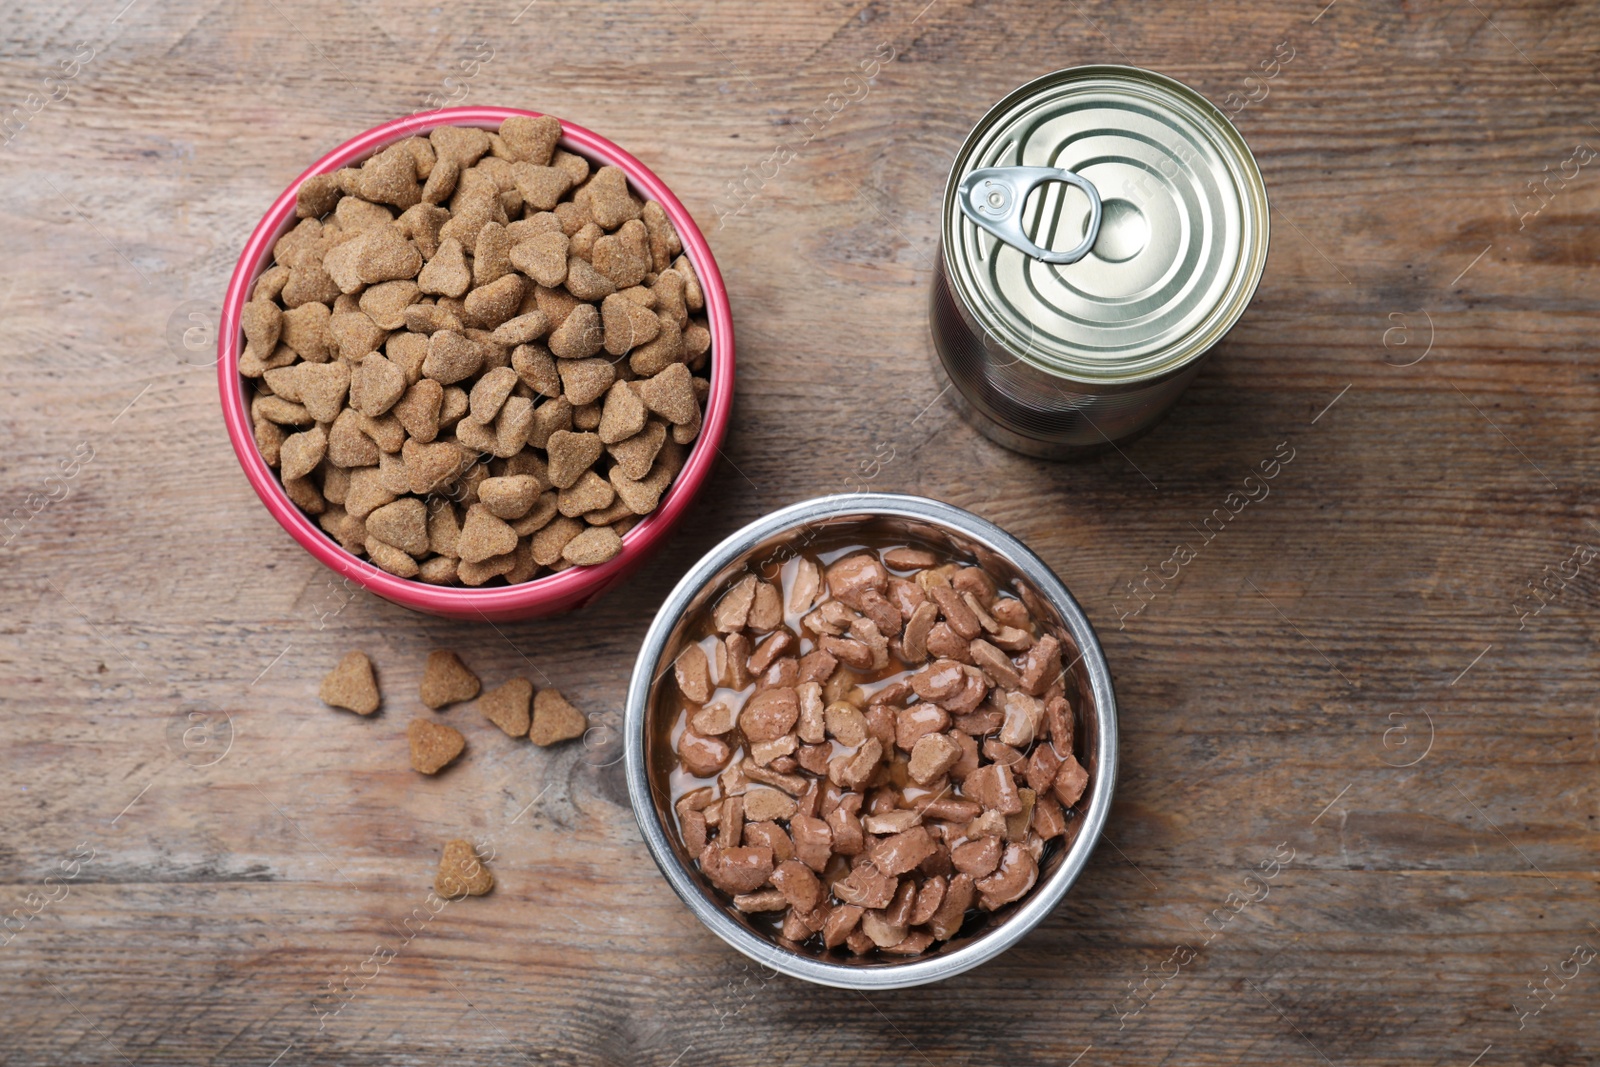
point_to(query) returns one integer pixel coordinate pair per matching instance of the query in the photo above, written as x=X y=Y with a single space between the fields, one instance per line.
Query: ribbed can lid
x=1182 y=235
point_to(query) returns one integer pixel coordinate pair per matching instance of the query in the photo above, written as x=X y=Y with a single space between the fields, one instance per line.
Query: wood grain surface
x=1354 y=669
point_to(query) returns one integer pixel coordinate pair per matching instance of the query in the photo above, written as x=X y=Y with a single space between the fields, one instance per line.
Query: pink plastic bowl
x=552 y=594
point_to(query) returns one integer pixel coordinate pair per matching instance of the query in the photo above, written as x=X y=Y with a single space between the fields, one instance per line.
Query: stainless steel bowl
x=873 y=514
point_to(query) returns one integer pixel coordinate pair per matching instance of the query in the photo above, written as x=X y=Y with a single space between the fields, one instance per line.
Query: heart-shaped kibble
x=446 y=680
x=387 y=256
x=637 y=454
x=433 y=745
x=403 y=524
x=543 y=257
x=464 y=144
x=491 y=259
x=655 y=356
x=670 y=394
x=262 y=321
x=483 y=536
x=386 y=303
x=585 y=380
x=461 y=872
x=418 y=410
x=510 y=497
x=390 y=177
x=624 y=414
x=551 y=539
x=541 y=187
x=431 y=466
x=323 y=387
x=624 y=256
x=580 y=334
x=641 y=498
x=554 y=719
x=593 y=546
x=447 y=273
x=589 y=493
x=608 y=200
x=492 y=304
x=570 y=455
x=300 y=452
x=552 y=415
x=531 y=140
x=376 y=384
x=351 y=685
x=452 y=357
x=507 y=706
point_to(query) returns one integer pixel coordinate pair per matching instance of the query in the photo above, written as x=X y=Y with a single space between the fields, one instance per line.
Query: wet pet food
x=873 y=748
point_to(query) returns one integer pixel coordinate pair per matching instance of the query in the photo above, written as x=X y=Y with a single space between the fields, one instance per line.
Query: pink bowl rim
x=575 y=584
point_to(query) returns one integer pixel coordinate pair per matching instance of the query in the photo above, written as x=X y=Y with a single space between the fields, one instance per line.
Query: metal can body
x=1056 y=351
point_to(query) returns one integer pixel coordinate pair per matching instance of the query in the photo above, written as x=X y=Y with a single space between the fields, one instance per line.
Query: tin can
x=1103 y=228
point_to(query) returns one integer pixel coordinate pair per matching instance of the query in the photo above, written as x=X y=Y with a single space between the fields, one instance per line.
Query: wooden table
x=1352 y=673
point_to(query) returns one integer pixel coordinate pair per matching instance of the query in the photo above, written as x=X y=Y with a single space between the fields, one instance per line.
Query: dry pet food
x=555 y=720
x=446 y=680
x=351 y=685
x=507 y=706
x=461 y=872
x=433 y=745
x=545 y=718
x=477 y=358
x=874 y=748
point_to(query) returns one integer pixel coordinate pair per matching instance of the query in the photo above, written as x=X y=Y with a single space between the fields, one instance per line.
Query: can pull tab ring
x=993 y=197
